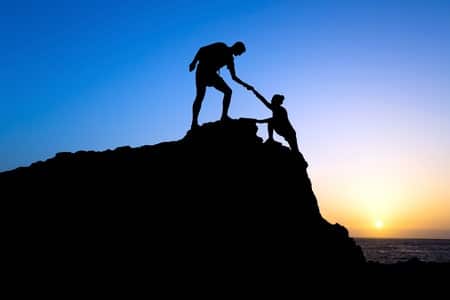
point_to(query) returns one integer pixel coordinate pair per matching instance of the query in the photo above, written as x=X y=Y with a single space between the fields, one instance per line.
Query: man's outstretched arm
x=237 y=79
x=194 y=61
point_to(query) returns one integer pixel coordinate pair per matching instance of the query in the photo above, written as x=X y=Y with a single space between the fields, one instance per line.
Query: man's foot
x=225 y=119
x=194 y=126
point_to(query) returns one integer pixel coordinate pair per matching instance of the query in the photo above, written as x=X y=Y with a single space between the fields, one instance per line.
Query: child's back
x=279 y=122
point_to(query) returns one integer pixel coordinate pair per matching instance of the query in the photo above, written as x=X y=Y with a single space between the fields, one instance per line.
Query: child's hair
x=277 y=99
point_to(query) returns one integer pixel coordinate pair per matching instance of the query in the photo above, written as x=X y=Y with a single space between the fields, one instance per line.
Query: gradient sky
x=366 y=86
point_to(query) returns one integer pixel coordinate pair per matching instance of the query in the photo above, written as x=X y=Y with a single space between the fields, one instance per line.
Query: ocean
x=399 y=250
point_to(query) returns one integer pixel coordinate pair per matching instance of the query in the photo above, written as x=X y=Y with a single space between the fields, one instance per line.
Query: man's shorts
x=209 y=78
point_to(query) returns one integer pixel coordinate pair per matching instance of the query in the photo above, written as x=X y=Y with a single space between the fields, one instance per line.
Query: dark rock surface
x=217 y=202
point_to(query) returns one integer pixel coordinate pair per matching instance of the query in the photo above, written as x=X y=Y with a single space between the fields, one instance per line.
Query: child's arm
x=263 y=120
x=261 y=98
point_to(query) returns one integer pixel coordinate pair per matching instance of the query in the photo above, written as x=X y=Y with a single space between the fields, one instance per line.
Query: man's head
x=277 y=99
x=238 y=48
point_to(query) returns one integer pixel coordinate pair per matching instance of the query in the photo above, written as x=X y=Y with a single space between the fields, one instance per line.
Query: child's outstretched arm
x=263 y=120
x=261 y=98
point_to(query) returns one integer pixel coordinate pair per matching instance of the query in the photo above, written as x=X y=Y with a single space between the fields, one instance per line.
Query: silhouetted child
x=279 y=121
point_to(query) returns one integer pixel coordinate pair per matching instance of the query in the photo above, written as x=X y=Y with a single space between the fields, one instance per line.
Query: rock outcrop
x=217 y=202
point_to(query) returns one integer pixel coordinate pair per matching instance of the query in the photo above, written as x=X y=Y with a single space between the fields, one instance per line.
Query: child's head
x=277 y=99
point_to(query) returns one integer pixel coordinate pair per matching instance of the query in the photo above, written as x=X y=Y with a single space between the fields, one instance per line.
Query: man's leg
x=226 y=90
x=201 y=89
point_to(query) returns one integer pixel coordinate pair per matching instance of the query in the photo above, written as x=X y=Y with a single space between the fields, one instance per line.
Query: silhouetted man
x=210 y=59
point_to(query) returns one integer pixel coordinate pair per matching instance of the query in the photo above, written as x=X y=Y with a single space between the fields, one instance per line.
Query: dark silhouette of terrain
x=214 y=206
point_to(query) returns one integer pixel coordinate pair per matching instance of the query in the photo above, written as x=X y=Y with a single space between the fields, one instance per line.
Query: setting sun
x=379 y=224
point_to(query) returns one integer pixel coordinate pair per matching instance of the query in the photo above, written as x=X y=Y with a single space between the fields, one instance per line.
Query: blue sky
x=366 y=82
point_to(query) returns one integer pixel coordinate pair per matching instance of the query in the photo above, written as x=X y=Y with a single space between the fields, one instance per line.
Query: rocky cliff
x=217 y=202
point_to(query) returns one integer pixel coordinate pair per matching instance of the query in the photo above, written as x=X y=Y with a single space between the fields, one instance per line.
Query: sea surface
x=399 y=250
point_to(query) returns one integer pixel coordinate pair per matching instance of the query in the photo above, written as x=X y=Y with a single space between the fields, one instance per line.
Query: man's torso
x=215 y=56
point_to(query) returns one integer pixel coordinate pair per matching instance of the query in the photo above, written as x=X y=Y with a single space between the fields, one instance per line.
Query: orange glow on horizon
x=371 y=201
